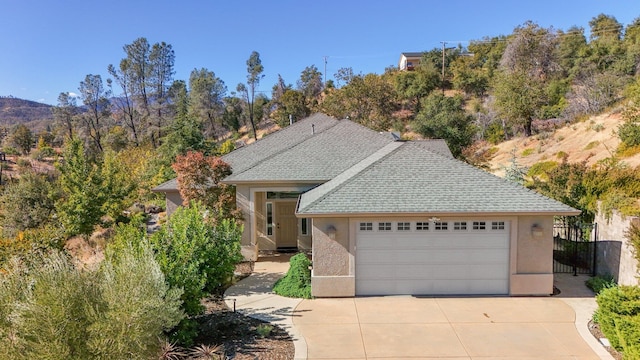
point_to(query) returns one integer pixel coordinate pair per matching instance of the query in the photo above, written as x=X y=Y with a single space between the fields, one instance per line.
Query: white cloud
x=72 y=94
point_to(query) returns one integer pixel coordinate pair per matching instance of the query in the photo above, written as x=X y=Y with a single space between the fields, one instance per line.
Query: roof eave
x=443 y=214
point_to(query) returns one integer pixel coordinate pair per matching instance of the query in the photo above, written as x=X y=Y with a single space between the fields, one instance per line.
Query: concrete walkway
x=424 y=327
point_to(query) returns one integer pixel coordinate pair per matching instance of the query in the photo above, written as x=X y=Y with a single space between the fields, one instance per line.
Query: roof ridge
x=352 y=172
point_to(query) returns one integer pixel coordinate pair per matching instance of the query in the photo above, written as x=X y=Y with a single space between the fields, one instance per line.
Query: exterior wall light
x=536 y=230
x=331 y=232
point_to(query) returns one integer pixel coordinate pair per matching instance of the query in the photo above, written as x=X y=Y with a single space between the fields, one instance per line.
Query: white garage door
x=432 y=258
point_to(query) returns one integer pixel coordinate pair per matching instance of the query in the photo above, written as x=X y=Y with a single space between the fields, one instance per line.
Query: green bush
x=541 y=168
x=599 y=283
x=297 y=282
x=527 y=152
x=619 y=317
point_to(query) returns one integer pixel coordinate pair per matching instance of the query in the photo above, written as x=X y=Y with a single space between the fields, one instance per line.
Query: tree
x=254 y=75
x=343 y=76
x=291 y=103
x=162 y=60
x=199 y=179
x=81 y=205
x=185 y=132
x=206 y=98
x=125 y=105
x=417 y=84
x=607 y=50
x=310 y=85
x=572 y=50
x=444 y=117
x=96 y=99
x=65 y=113
x=22 y=138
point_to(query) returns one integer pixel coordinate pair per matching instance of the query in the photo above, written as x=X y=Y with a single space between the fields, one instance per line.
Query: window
x=366 y=226
x=404 y=226
x=305 y=224
x=460 y=225
x=282 y=195
x=479 y=225
x=384 y=226
x=422 y=226
x=441 y=225
x=497 y=225
x=269 y=219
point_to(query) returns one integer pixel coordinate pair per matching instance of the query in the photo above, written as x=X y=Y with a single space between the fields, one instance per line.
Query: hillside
x=33 y=114
x=591 y=140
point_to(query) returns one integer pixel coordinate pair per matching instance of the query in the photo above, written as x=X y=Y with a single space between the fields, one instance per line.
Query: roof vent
x=313 y=129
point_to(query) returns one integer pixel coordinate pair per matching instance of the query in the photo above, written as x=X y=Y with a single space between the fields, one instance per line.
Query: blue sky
x=47 y=47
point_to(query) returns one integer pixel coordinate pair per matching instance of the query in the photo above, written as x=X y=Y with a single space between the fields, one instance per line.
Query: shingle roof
x=411 y=179
x=171 y=185
x=318 y=157
x=248 y=156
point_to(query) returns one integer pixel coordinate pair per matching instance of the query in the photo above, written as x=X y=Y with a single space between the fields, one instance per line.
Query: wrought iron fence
x=574 y=248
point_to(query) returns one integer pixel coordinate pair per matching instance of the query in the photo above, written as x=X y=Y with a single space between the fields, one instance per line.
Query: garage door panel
x=432 y=262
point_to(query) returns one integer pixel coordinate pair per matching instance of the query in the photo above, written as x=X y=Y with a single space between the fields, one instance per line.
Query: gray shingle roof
x=248 y=156
x=319 y=157
x=411 y=179
x=171 y=185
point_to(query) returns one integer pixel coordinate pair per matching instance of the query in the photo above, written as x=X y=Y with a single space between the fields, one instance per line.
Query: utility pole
x=325 y=69
x=444 y=43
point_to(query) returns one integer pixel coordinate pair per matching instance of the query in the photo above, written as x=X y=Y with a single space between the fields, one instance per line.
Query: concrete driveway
x=405 y=327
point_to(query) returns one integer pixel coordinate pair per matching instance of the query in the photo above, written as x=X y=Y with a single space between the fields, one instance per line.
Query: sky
x=48 y=47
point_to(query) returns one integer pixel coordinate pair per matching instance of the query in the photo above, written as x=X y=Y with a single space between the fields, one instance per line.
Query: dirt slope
x=591 y=140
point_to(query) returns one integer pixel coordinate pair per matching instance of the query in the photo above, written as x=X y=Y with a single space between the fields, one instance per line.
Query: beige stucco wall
x=532 y=272
x=332 y=274
x=614 y=253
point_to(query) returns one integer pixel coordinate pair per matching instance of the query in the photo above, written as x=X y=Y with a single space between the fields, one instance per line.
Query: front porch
x=270 y=220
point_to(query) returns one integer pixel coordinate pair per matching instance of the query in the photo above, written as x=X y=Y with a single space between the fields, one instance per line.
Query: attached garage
x=432 y=257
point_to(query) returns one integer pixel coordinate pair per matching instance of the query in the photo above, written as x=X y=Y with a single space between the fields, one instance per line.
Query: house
x=409 y=60
x=384 y=216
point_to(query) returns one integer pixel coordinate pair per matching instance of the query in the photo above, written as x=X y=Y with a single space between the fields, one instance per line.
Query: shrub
x=297 y=282
x=625 y=150
x=541 y=168
x=599 y=283
x=562 y=155
x=592 y=145
x=619 y=317
x=527 y=152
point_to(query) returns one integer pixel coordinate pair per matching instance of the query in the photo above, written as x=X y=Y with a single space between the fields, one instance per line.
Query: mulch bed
x=594 y=328
x=238 y=333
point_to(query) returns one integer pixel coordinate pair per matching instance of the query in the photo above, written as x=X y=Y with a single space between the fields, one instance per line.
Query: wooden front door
x=286 y=225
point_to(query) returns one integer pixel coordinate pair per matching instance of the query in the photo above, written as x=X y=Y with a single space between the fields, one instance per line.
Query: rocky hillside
x=591 y=140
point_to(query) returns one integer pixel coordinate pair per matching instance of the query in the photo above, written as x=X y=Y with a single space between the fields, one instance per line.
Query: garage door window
x=384 y=226
x=422 y=226
x=441 y=225
x=460 y=225
x=366 y=226
x=497 y=225
x=404 y=226
x=479 y=225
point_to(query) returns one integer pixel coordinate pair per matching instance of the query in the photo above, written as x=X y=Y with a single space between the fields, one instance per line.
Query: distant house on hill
x=409 y=60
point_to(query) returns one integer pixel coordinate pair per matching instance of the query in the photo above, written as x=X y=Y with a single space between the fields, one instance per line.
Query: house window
x=269 y=219
x=404 y=226
x=441 y=225
x=384 y=226
x=282 y=195
x=497 y=225
x=422 y=226
x=460 y=225
x=305 y=225
x=366 y=226
x=479 y=225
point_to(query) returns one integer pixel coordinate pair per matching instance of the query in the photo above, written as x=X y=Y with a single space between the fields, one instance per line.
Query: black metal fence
x=574 y=248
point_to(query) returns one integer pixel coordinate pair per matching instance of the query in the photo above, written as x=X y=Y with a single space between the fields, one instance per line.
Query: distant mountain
x=34 y=115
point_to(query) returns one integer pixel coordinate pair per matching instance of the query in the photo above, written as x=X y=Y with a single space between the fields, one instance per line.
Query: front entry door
x=286 y=225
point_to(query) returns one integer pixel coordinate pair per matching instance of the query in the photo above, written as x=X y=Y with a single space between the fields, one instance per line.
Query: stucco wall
x=332 y=259
x=533 y=268
x=614 y=253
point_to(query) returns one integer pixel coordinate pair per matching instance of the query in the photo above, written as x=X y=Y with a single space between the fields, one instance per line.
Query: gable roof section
x=412 y=180
x=318 y=158
x=248 y=156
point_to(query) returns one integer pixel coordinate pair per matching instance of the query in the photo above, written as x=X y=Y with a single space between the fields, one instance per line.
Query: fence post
x=575 y=248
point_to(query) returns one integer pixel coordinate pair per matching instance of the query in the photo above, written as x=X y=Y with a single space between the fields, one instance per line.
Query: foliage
x=629 y=131
x=297 y=282
x=206 y=99
x=514 y=172
x=633 y=234
x=22 y=138
x=619 y=317
x=418 y=84
x=527 y=152
x=494 y=133
x=541 y=169
x=291 y=103
x=599 y=283
x=248 y=91
x=197 y=256
x=29 y=244
x=55 y=311
x=199 y=179
x=443 y=117
x=264 y=330
x=27 y=203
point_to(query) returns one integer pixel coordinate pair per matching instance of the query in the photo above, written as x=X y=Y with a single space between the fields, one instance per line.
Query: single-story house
x=384 y=216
